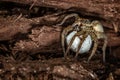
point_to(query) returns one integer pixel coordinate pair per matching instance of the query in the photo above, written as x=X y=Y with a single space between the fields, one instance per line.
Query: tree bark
x=57 y=68
x=104 y=9
x=35 y=43
x=23 y=30
x=39 y=34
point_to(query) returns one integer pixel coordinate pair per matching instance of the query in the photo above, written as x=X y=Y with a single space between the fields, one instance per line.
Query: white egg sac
x=86 y=45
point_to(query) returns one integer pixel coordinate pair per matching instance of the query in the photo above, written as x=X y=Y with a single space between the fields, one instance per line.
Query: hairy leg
x=71 y=41
x=94 y=37
x=104 y=47
x=69 y=16
x=64 y=34
x=82 y=40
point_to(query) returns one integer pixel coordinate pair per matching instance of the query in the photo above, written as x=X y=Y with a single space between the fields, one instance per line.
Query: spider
x=84 y=27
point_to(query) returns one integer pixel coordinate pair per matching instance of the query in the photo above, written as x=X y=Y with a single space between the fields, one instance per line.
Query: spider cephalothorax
x=85 y=28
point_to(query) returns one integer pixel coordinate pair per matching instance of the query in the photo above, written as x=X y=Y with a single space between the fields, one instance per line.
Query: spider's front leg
x=94 y=37
x=63 y=36
x=72 y=40
x=84 y=36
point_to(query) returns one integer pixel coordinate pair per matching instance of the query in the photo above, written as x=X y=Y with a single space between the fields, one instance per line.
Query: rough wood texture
x=105 y=9
x=32 y=37
x=56 y=69
x=34 y=40
x=12 y=26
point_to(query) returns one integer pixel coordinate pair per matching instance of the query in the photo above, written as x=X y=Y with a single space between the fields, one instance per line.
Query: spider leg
x=82 y=40
x=64 y=34
x=71 y=41
x=69 y=16
x=104 y=47
x=94 y=37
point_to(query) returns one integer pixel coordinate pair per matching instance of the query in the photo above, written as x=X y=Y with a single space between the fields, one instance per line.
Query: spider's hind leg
x=104 y=47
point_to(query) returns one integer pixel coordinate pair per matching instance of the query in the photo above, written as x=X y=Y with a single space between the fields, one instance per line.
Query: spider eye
x=76 y=27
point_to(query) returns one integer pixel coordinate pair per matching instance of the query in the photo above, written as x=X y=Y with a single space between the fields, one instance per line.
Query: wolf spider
x=84 y=27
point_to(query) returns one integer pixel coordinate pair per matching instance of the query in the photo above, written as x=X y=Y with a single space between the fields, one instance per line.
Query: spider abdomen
x=86 y=45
